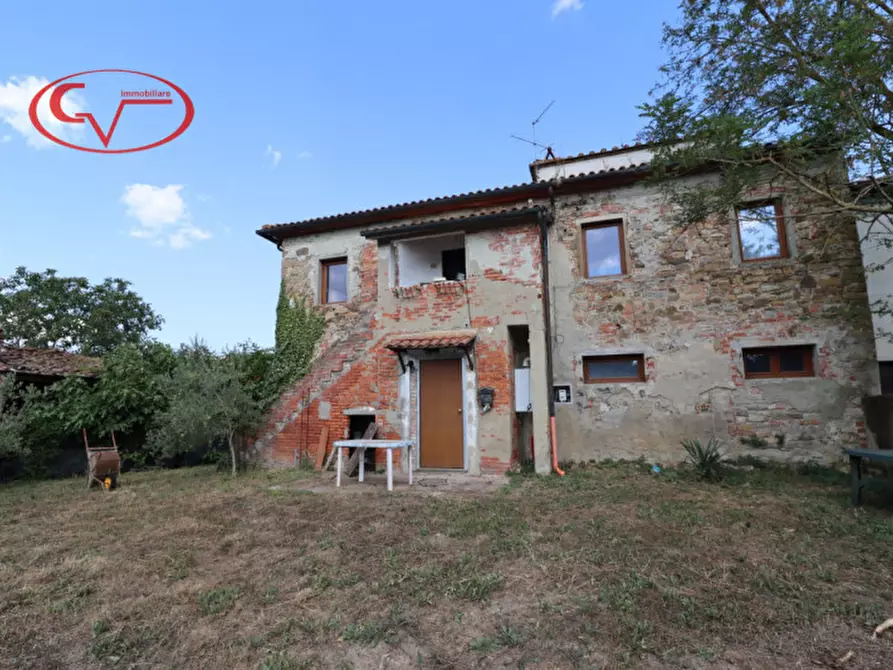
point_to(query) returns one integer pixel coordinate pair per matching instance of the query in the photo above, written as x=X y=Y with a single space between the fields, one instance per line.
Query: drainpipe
x=547 y=325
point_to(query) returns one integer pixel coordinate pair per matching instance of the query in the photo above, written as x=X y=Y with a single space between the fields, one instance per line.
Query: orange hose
x=554 y=448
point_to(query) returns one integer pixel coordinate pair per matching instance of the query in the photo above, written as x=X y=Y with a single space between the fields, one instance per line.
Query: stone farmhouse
x=567 y=319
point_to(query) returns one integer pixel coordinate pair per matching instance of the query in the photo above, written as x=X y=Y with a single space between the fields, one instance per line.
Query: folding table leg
x=390 y=453
x=362 y=463
x=856 y=479
x=338 y=468
x=409 y=452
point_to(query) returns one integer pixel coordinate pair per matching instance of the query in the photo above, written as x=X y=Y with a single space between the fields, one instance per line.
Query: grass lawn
x=609 y=567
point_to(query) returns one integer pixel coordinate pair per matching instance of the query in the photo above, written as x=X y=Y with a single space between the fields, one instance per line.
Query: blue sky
x=302 y=109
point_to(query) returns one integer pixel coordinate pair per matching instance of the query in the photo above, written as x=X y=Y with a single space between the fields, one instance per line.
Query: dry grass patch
x=608 y=567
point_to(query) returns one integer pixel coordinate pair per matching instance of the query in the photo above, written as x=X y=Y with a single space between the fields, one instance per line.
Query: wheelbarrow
x=103 y=464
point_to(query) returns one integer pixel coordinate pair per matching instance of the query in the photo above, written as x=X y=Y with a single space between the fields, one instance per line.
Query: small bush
x=707 y=460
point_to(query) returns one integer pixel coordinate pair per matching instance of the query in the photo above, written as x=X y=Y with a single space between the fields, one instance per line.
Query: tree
x=213 y=399
x=126 y=396
x=42 y=309
x=12 y=420
x=796 y=89
x=30 y=429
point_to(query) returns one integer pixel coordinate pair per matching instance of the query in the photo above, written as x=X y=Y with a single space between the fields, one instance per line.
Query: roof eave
x=481 y=222
x=505 y=196
x=514 y=194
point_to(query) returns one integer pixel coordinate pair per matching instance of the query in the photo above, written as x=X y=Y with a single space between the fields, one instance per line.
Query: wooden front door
x=440 y=399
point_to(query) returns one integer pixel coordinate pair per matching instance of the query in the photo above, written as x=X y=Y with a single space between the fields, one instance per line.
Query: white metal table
x=362 y=445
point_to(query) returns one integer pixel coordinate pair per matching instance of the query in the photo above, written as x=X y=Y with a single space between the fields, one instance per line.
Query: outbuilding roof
x=46 y=362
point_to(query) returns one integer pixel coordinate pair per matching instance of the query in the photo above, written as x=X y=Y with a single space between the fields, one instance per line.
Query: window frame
x=784 y=250
x=807 y=352
x=621 y=239
x=642 y=377
x=324 y=266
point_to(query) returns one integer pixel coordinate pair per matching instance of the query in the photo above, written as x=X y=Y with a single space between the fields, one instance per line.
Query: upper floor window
x=769 y=362
x=603 y=249
x=334 y=281
x=761 y=231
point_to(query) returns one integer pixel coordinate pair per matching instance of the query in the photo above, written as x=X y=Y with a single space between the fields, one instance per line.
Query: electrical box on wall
x=486 y=397
x=561 y=394
x=522 y=390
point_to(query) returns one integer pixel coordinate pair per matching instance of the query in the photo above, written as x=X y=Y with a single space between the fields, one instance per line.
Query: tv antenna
x=533 y=142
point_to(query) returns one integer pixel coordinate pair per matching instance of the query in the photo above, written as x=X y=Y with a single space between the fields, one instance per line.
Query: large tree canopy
x=778 y=86
x=42 y=309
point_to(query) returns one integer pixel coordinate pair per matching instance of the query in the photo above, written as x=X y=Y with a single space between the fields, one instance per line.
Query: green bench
x=856 y=458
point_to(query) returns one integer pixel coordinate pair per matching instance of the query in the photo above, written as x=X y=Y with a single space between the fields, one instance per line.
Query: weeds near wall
x=754 y=441
x=707 y=459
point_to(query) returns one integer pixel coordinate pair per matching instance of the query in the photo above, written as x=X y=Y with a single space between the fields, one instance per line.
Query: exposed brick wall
x=353 y=368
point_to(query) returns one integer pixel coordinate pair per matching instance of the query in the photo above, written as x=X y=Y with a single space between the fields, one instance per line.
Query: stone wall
x=689 y=305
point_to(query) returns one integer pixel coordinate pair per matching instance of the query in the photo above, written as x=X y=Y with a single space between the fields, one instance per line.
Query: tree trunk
x=232 y=452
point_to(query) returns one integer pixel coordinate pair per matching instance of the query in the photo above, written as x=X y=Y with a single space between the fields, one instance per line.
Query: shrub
x=707 y=460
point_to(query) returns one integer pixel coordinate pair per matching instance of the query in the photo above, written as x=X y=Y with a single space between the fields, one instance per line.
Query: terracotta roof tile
x=436 y=339
x=500 y=196
x=408 y=204
x=46 y=362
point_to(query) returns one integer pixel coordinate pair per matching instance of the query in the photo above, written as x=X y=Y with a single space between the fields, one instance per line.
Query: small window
x=453 y=263
x=761 y=232
x=623 y=368
x=334 y=281
x=772 y=362
x=603 y=249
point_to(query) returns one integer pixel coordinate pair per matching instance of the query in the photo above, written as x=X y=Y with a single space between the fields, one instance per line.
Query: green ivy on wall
x=299 y=328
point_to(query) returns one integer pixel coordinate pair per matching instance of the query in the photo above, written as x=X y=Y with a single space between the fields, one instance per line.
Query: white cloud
x=162 y=215
x=305 y=155
x=274 y=154
x=560 y=6
x=203 y=197
x=15 y=99
x=5 y=139
x=186 y=235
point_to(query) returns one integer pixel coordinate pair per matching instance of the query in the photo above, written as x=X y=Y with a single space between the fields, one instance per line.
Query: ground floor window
x=609 y=369
x=774 y=362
